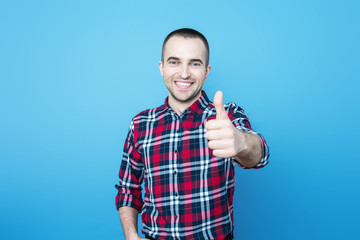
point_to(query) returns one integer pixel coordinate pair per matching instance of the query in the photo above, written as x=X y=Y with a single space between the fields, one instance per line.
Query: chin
x=185 y=99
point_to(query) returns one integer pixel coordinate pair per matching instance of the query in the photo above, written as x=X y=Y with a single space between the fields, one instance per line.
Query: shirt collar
x=197 y=107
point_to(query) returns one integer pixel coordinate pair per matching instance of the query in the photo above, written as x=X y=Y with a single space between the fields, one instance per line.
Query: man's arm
x=129 y=197
x=129 y=222
x=227 y=141
x=251 y=153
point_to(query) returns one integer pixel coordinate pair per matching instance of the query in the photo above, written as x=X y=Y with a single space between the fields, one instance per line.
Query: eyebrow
x=191 y=60
x=173 y=58
x=196 y=60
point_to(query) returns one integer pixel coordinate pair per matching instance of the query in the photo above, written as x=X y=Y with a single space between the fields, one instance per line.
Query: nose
x=185 y=73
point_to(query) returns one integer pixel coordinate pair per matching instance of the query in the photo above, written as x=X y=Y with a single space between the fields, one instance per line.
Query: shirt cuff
x=125 y=198
x=265 y=150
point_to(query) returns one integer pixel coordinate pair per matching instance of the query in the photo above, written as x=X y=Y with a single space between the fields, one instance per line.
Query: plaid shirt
x=188 y=191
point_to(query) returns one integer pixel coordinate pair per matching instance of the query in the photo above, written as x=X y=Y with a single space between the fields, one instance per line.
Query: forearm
x=129 y=222
x=250 y=155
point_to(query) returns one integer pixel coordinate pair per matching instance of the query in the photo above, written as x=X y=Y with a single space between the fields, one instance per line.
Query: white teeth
x=183 y=84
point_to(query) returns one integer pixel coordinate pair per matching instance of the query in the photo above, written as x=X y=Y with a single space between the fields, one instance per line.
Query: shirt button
x=176 y=216
x=176 y=194
x=175 y=172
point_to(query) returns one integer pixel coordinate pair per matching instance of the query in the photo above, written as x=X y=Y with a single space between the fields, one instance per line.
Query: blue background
x=74 y=73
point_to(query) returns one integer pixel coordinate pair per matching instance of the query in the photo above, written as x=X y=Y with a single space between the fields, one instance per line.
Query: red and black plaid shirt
x=188 y=191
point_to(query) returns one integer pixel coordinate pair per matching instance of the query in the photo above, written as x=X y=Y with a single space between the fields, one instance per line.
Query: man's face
x=184 y=69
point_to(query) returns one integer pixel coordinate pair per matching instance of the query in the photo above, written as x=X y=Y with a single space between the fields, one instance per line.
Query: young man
x=185 y=150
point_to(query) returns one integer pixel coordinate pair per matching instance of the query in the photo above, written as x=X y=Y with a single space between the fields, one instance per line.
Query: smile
x=183 y=85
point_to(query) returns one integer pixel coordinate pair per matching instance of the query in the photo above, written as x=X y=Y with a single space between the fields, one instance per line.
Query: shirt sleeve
x=131 y=175
x=241 y=122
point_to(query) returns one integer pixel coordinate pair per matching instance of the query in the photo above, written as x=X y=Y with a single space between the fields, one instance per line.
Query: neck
x=178 y=106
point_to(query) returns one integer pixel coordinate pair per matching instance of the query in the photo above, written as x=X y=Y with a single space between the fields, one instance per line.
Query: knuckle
x=207 y=135
x=214 y=152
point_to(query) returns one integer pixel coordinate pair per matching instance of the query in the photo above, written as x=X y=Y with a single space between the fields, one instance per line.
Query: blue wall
x=74 y=73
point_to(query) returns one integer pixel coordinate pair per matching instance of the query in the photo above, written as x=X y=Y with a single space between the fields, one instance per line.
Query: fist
x=224 y=139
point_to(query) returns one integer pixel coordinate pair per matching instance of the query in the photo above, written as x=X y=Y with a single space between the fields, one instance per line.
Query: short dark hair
x=187 y=33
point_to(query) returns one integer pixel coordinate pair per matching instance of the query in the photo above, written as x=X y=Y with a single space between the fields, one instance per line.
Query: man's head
x=184 y=66
x=187 y=33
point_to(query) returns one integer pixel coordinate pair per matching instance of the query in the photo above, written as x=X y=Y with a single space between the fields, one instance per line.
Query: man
x=185 y=151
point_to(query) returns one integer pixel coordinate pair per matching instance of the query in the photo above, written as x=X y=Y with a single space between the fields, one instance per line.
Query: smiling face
x=184 y=70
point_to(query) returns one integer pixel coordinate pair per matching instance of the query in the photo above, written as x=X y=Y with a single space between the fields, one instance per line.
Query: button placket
x=175 y=170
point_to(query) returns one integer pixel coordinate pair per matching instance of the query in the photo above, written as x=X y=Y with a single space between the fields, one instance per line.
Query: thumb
x=219 y=106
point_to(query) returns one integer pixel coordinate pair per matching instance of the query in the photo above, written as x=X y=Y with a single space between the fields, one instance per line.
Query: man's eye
x=196 y=64
x=172 y=62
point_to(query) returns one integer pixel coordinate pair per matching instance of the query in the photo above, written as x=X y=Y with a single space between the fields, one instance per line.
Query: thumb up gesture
x=224 y=139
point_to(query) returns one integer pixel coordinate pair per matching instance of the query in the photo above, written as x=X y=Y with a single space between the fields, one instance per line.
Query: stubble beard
x=192 y=97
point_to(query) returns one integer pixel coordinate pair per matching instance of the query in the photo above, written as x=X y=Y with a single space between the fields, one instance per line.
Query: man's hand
x=224 y=139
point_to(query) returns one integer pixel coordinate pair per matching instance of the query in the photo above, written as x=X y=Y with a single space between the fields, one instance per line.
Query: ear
x=161 y=67
x=208 y=68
